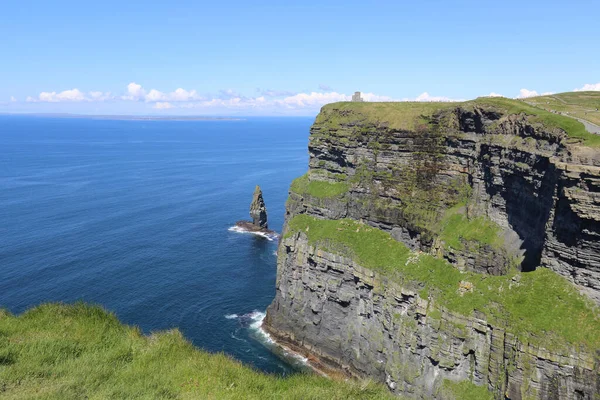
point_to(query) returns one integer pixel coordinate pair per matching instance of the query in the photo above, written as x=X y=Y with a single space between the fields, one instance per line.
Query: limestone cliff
x=428 y=242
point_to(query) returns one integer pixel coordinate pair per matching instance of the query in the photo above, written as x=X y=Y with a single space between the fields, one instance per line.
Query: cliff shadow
x=528 y=202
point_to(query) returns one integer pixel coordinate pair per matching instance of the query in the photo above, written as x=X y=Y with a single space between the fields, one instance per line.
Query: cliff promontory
x=435 y=243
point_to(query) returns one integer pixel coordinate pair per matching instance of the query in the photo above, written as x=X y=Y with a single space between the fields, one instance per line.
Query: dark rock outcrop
x=258 y=211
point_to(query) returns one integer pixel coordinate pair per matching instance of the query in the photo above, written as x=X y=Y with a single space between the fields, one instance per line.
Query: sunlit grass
x=78 y=351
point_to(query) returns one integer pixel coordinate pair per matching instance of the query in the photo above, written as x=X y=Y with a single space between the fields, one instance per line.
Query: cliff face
x=414 y=250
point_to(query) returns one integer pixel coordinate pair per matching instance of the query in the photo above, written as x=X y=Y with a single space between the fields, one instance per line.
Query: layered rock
x=486 y=190
x=258 y=211
x=366 y=325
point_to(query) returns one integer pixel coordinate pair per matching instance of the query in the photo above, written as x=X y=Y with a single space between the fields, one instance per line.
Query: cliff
x=434 y=243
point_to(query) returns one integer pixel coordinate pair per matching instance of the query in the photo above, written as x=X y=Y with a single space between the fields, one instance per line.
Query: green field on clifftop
x=584 y=105
x=413 y=115
x=82 y=352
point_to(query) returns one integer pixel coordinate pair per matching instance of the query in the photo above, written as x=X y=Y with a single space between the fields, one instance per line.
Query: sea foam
x=269 y=236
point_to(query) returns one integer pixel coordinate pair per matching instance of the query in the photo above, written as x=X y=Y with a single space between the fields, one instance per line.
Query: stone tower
x=356 y=97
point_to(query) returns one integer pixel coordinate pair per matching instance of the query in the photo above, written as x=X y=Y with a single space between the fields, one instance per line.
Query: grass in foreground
x=540 y=307
x=77 y=351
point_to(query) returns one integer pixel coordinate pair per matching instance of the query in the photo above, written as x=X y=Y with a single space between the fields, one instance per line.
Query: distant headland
x=127 y=117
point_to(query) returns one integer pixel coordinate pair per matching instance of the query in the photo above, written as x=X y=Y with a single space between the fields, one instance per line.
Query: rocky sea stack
x=258 y=213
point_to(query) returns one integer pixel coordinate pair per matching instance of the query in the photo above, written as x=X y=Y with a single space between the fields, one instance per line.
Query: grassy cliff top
x=409 y=115
x=77 y=351
x=585 y=105
x=395 y=115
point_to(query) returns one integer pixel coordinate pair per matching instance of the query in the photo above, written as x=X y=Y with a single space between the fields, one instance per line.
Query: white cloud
x=224 y=101
x=374 y=97
x=275 y=93
x=183 y=95
x=163 y=105
x=99 y=96
x=135 y=92
x=155 y=95
x=594 y=87
x=427 y=97
x=71 y=95
x=313 y=99
x=67 y=95
x=13 y=99
x=494 y=94
x=525 y=93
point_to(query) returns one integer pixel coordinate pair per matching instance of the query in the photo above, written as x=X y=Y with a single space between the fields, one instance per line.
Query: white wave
x=254 y=320
x=268 y=236
x=258 y=318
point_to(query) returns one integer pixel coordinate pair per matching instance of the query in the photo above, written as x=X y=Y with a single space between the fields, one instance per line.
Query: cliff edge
x=446 y=242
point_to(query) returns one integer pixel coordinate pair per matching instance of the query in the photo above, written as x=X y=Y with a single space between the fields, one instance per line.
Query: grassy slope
x=464 y=391
x=541 y=308
x=408 y=115
x=318 y=189
x=579 y=104
x=456 y=226
x=572 y=127
x=72 y=352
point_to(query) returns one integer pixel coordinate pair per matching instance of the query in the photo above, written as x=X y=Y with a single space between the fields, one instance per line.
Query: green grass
x=540 y=307
x=412 y=115
x=579 y=104
x=78 y=351
x=464 y=390
x=396 y=115
x=318 y=189
x=456 y=228
x=572 y=127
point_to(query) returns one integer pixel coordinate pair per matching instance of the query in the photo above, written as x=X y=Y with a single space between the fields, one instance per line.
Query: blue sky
x=286 y=57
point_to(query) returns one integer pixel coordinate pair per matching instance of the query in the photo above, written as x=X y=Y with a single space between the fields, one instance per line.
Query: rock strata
x=489 y=191
x=258 y=211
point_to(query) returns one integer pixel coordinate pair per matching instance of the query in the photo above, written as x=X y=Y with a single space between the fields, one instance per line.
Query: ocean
x=135 y=216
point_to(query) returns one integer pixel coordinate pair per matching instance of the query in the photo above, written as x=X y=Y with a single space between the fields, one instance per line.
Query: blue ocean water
x=134 y=215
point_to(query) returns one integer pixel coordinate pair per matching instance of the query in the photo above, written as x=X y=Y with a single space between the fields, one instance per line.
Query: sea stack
x=258 y=211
